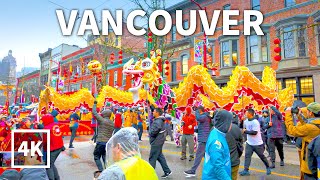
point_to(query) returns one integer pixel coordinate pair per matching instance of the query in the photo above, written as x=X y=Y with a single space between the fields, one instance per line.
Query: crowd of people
x=222 y=138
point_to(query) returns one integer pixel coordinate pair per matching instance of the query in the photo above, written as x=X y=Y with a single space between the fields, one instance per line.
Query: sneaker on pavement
x=273 y=165
x=71 y=146
x=183 y=158
x=244 y=173
x=281 y=163
x=166 y=175
x=268 y=171
x=190 y=173
x=191 y=159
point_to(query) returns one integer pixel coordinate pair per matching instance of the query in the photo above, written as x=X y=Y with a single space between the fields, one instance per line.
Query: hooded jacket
x=234 y=138
x=157 y=131
x=276 y=130
x=56 y=141
x=105 y=125
x=314 y=155
x=189 y=119
x=307 y=131
x=217 y=163
x=203 y=126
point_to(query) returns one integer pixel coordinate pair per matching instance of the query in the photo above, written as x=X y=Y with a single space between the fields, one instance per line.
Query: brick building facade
x=295 y=22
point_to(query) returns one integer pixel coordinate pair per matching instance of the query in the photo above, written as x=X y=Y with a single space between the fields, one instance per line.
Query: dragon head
x=143 y=71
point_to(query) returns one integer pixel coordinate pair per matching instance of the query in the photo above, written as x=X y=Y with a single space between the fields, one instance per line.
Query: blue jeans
x=73 y=134
x=135 y=126
x=199 y=155
x=140 y=131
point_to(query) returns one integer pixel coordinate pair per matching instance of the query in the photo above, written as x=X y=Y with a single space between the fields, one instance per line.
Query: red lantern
x=276 y=41
x=167 y=73
x=120 y=52
x=277 y=58
x=167 y=62
x=167 y=67
x=149 y=40
x=150 y=34
x=120 y=62
x=277 y=49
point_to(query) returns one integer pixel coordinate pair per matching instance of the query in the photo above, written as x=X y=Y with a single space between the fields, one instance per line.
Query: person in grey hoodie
x=234 y=140
x=105 y=130
x=204 y=121
x=157 y=139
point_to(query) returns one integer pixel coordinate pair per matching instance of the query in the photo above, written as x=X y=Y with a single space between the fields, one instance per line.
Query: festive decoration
x=277 y=50
x=94 y=66
x=120 y=57
x=111 y=58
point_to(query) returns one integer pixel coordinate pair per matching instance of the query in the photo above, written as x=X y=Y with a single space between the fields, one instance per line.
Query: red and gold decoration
x=111 y=58
x=166 y=67
x=277 y=49
x=94 y=66
x=120 y=57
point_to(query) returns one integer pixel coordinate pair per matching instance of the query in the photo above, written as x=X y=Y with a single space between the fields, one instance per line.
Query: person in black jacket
x=234 y=140
x=157 y=139
x=314 y=156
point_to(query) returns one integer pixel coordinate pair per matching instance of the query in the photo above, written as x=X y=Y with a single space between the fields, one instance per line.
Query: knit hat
x=314 y=107
x=11 y=174
x=222 y=120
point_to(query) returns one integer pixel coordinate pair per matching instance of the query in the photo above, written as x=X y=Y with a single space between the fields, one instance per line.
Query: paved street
x=78 y=163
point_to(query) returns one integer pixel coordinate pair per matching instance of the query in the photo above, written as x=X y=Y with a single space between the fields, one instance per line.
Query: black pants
x=156 y=154
x=248 y=154
x=73 y=134
x=140 y=131
x=273 y=143
x=98 y=153
x=52 y=172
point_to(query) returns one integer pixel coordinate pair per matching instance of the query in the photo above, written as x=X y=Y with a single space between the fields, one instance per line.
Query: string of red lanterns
x=277 y=49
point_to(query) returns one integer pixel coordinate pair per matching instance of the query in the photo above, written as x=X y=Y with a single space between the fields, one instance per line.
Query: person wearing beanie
x=307 y=131
x=217 y=164
x=188 y=124
x=234 y=140
x=105 y=131
x=251 y=128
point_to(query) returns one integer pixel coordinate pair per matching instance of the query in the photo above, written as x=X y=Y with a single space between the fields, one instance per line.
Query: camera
x=295 y=110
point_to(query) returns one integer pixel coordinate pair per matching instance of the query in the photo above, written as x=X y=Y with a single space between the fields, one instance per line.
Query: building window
x=257 y=48
x=173 y=33
x=288 y=42
x=291 y=83
x=227 y=7
x=289 y=3
x=254 y=49
x=184 y=62
x=107 y=78
x=115 y=80
x=173 y=71
x=306 y=85
x=229 y=53
x=185 y=25
x=255 y=5
x=294 y=41
x=301 y=41
x=124 y=79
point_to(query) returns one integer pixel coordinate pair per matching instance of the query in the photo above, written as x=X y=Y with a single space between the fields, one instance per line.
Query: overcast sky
x=30 y=27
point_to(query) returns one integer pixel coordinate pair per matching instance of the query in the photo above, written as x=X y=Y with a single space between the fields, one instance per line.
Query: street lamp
x=204 y=36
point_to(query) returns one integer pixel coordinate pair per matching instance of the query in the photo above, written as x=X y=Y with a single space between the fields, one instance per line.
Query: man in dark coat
x=314 y=156
x=204 y=121
x=234 y=140
x=105 y=130
x=157 y=139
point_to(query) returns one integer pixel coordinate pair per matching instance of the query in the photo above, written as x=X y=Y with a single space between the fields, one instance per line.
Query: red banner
x=84 y=128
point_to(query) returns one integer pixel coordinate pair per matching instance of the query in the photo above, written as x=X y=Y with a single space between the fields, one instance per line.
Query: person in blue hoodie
x=203 y=118
x=217 y=164
x=314 y=156
x=74 y=125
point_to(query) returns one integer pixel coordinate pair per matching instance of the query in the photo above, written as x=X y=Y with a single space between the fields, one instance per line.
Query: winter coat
x=277 y=129
x=217 y=163
x=157 y=131
x=189 y=119
x=314 y=155
x=204 y=121
x=105 y=126
x=56 y=141
x=234 y=137
x=307 y=131
x=39 y=174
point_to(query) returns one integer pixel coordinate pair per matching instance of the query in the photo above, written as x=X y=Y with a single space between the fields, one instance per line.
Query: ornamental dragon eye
x=146 y=64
